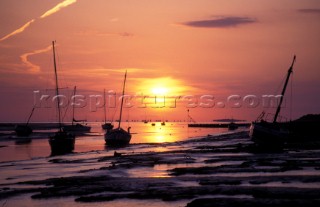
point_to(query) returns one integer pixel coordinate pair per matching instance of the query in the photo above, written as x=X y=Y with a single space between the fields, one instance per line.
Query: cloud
x=125 y=34
x=17 y=31
x=58 y=7
x=24 y=58
x=102 y=34
x=221 y=22
x=46 y=14
x=311 y=11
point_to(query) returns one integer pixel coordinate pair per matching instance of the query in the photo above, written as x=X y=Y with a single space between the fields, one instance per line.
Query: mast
x=74 y=94
x=124 y=86
x=284 y=89
x=104 y=108
x=57 y=88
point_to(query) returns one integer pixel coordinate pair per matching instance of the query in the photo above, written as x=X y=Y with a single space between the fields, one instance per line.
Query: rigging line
x=291 y=97
x=67 y=107
x=62 y=78
x=128 y=121
x=115 y=108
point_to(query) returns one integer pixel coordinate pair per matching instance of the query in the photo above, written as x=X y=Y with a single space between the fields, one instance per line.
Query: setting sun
x=162 y=86
x=159 y=91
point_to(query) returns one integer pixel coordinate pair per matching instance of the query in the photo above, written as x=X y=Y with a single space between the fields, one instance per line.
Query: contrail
x=58 y=7
x=55 y=9
x=24 y=58
x=21 y=29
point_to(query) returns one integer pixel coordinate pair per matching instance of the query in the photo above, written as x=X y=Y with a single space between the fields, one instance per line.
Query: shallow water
x=30 y=160
x=138 y=166
x=25 y=200
x=38 y=146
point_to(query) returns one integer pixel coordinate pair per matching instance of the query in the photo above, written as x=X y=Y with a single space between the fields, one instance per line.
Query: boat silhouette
x=118 y=137
x=271 y=135
x=61 y=142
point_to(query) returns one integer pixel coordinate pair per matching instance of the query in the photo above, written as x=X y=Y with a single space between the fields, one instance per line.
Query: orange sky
x=180 y=48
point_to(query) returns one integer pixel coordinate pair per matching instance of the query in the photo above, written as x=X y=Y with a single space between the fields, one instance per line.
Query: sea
x=292 y=172
x=13 y=148
x=29 y=159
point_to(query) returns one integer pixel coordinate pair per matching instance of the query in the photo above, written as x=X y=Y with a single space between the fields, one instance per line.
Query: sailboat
x=24 y=130
x=76 y=127
x=61 y=142
x=271 y=134
x=232 y=126
x=118 y=137
x=106 y=125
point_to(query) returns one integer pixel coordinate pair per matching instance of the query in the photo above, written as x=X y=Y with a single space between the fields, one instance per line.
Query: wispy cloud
x=221 y=22
x=17 y=31
x=101 y=34
x=55 y=9
x=125 y=34
x=58 y=7
x=24 y=58
x=312 y=11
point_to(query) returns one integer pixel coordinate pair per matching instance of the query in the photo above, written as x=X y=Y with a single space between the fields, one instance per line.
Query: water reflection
x=23 y=141
x=162 y=134
x=37 y=145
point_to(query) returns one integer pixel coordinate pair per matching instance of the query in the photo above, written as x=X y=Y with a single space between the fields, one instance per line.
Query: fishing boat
x=106 y=125
x=232 y=126
x=61 y=142
x=118 y=137
x=271 y=134
x=24 y=130
x=75 y=125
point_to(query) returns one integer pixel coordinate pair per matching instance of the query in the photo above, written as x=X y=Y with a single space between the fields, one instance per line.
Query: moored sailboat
x=232 y=126
x=24 y=130
x=118 y=137
x=75 y=125
x=61 y=142
x=271 y=134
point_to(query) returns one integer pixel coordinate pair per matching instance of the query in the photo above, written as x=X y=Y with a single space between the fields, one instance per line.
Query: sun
x=163 y=86
x=160 y=94
x=159 y=91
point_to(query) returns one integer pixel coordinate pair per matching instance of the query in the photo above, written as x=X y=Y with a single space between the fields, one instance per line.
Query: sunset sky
x=169 y=48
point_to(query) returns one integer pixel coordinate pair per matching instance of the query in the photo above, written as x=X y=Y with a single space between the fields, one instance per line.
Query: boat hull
x=107 y=126
x=76 y=128
x=117 y=138
x=232 y=126
x=268 y=135
x=23 y=130
x=61 y=143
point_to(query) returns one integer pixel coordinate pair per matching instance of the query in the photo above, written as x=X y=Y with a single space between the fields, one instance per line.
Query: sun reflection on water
x=162 y=134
